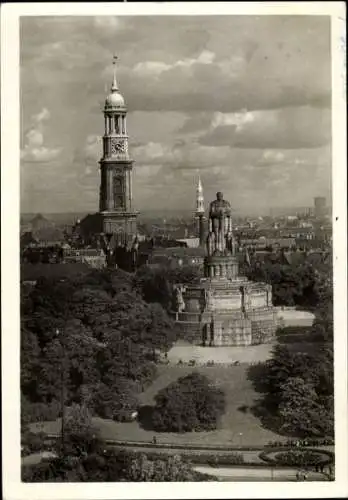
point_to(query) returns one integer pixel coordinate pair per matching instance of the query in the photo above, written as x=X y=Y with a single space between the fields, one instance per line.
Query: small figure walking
x=154 y=440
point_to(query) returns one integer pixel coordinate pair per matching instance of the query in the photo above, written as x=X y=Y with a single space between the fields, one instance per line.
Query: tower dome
x=114 y=101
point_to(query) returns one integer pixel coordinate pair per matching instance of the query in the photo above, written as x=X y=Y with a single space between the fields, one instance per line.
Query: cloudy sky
x=243 y=99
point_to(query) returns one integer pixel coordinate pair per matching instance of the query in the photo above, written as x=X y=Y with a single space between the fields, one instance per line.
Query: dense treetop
x=98 y=330
x=190 y=403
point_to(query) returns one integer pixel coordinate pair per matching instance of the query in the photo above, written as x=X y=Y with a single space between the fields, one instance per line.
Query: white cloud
x=271 y=155
x=34 y=149
x=239 y=119
x=93 y=148
x=42 y=116
x=285 y=128
x=40 y=155
x=158 y=67
x=151 y=67
x=206 y=57
x=34 y=138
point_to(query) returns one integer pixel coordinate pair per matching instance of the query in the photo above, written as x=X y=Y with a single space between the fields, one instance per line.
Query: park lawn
x=236 y=427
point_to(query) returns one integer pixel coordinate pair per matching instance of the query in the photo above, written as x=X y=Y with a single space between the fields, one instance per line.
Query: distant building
x=190 y=242
x=306 y=233
x=270 y=243
x=319 y=206
x=89 y=256
x=177 y=257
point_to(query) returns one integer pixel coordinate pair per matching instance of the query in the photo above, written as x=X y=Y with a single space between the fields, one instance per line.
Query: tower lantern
x=116 y=198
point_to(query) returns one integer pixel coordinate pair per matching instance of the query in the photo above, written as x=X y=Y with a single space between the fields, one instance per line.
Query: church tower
x=116 y=200
x=199 y=213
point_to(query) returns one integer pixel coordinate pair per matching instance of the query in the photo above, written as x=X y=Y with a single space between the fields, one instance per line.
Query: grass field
x=237 y=427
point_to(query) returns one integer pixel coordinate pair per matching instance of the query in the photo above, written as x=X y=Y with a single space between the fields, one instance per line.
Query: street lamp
x=240 y=439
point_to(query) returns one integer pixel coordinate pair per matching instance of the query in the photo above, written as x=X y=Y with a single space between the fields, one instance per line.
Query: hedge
x=204 y=458
x=144 y=444
x=302 y=442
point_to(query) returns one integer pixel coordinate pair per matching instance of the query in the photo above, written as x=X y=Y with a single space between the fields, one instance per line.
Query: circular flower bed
x=300 y=457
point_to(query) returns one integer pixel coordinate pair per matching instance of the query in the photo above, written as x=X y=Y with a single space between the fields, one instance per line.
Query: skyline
x=211 y=94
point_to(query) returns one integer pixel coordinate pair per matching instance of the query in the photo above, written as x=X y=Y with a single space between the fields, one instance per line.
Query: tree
x=298 y=391
x=157 y=285
x=154 y=286
x=301 y=411
x=80 y=435
x=190 y=403
x=117 y=403
x=160 y=332
x=29 y=362
x=72 y=351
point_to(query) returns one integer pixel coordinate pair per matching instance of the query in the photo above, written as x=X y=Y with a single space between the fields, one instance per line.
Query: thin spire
x=199 y=198
x=199 y=186
x=114 y=86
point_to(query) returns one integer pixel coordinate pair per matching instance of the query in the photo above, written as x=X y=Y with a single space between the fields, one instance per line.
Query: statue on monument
x=179 y=299
x=219 y=239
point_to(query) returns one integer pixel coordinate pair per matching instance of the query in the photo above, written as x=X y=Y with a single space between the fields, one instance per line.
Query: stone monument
x=224 y=308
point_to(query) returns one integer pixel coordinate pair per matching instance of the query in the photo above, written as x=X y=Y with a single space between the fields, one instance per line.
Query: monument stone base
x=223 y=312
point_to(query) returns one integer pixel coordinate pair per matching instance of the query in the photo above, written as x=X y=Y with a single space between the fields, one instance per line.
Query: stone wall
x=264 y=325
x=191 y=331
x=232 y=332
x=259 y=327
x=227 y=302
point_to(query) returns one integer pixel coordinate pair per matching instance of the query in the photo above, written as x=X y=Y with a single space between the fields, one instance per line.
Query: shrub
x=116 y=403
x=190 y=403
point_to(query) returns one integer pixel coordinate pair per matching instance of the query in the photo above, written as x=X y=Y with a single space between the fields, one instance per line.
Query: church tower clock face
x=117 y=146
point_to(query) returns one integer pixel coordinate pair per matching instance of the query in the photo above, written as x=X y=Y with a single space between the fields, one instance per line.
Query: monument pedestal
x=223 y=312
